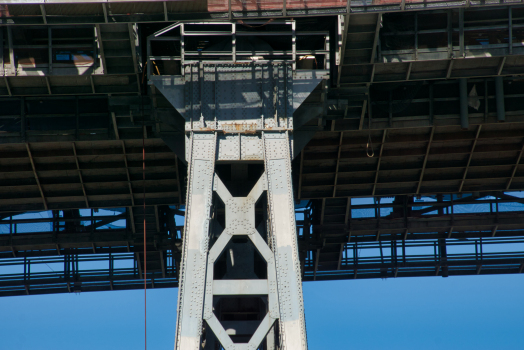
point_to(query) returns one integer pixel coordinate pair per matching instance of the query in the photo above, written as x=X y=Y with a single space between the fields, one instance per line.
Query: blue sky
x=474 y=312
x=466 y=312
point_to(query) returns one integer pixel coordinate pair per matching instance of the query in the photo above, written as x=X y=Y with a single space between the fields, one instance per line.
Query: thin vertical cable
x=144 y=209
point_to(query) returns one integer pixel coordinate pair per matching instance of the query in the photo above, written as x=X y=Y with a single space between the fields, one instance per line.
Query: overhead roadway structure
x=55 y=12
x=404 y=122
x=395 y=238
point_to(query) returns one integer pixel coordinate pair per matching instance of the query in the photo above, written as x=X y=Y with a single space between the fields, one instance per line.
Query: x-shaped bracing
x=240 y=221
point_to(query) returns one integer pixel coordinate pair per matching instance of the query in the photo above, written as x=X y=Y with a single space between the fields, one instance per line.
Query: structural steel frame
x=368 y=139
x=107 y=11
x=402 y=238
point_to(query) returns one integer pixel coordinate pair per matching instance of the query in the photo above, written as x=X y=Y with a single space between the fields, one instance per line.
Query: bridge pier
x=240 y=279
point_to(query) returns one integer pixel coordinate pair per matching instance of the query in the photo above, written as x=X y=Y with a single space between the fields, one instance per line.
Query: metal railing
x=201 y=31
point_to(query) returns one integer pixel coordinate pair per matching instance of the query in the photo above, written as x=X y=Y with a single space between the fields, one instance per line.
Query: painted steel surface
x=192 y=276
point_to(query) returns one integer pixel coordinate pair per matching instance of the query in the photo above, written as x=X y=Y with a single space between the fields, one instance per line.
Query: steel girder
x=237 y=115
x=272 y=145
x=199 y=287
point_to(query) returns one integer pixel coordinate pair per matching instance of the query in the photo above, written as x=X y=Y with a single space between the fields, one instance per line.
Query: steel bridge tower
x=240 y=279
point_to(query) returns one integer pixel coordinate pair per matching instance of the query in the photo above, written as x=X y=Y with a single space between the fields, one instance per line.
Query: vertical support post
x=196 y=232
x=77 y=117
x=463 y=93
x=443 y=256
x=376 y=38
x=294 y=44
x=104 y=9
x=485 y=100
x=370 y=112
x=499 y=94
x=462 y=51
x=115 y=125
x=416 y=37
x=96 y=64
x=148 y=59
x=101 y=47
x=22 y=118
x=234 y=41
x=510 y=30
x=390 y=109
x=166 y=17
x=450 y=34
x=50 y=49
x=11 y=50
x=431 y=104
x=277 y=159
x=182 y=46
x=327 y=47
x=133 y=37
x=2 y=71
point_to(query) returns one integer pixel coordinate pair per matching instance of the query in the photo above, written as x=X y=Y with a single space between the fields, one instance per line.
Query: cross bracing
x=405 y=153
x=444 y=235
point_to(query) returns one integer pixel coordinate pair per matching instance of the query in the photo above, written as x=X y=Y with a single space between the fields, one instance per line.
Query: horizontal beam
x=240 y=287
x=471 y=225
x=60 y=286
x=388 y=271
x=44 y=244
x=175 y=12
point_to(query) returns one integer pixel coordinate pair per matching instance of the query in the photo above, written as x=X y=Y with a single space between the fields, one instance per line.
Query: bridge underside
x=400 y=236
x=395 y=177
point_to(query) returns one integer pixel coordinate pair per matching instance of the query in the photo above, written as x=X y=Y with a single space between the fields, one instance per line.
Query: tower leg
x=241 y=276
x=284 y=238
x=196 y=237
x=222 y=300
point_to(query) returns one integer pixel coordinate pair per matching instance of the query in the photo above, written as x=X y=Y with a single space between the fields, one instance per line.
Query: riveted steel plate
x=252 y=148
x=238 y=98
x=195 y=245
x=228 y=147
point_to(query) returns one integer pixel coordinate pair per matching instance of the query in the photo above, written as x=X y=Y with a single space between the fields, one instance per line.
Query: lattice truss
x=239 y=112
x=240 y=220
x=199 y=288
